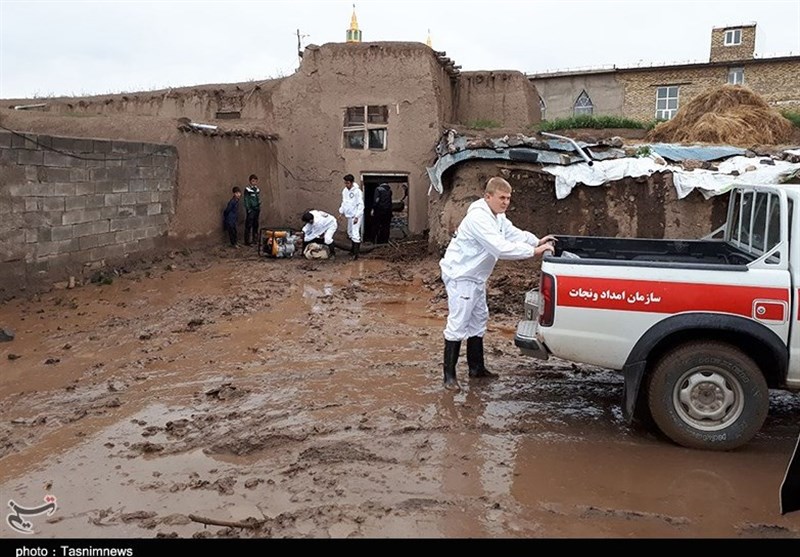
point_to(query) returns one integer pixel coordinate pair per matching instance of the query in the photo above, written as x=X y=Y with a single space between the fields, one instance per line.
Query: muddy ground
x=300 y=399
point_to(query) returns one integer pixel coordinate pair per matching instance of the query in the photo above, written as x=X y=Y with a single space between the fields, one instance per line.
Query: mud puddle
x=291 y=398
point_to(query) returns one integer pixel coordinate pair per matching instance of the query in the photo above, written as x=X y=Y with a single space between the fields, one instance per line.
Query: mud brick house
x=86 y=182
x=656 y=92
x=90 y=180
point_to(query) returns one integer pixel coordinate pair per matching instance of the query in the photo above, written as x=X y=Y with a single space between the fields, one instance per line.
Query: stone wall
x=777 y=81
x=68 y=205
x=743 y=51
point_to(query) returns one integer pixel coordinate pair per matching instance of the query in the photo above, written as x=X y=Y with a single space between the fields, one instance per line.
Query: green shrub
x=793 y=116
x=591 y=121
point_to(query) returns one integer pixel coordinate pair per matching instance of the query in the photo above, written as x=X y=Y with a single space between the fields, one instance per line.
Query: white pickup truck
x=701 y=329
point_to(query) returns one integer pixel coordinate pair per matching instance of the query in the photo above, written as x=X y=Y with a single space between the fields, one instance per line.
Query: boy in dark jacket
x=230 y=217
x=252 y=208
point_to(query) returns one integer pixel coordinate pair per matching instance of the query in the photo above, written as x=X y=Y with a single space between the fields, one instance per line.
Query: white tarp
x=709 y=182
x=601 y=172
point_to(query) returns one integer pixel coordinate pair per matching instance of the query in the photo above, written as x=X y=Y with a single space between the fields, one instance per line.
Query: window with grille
x=755 y=225
x=542 y=107
x=736 y=76
x=583 y=105
x=733 y=37
x=365 y=127
x=666 y=102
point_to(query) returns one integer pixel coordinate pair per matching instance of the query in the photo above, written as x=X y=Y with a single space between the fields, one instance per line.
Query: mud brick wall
x=505 y=97
x=68 y=206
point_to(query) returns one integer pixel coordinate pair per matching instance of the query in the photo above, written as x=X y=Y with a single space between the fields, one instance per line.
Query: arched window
x=583 y=105
x=542 y=107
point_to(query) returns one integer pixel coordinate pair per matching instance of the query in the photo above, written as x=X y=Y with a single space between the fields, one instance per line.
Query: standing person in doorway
x=484 y=236
x=382 y=212
x=352 y=208
x=230 y=217
x=252 y=208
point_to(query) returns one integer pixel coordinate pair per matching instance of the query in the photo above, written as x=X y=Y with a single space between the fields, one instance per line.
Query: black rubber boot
x=477 y=368
x=451 y=350
x=331 y=250
x=356 y=249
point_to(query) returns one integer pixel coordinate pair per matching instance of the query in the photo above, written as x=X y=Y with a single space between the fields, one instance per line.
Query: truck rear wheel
x=708 y=395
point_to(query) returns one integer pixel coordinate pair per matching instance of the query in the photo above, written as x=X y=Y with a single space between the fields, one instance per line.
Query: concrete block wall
x=69 y=205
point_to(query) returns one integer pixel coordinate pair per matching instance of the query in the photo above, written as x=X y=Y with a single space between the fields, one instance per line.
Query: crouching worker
x=318 y=229
x=484 y=236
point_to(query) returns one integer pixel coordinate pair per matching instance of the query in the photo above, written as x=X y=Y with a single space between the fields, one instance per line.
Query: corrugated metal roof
x=559 y=157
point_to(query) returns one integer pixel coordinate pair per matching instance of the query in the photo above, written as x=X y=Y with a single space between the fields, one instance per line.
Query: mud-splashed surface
x=231 y=396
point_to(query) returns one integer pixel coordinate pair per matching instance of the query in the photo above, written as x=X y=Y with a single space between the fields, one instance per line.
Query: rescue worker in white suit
x=319 y=227
x=484 y=236
x=352 y=208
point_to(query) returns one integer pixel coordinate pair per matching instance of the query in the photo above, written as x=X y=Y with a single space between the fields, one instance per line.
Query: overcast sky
x=83 y=47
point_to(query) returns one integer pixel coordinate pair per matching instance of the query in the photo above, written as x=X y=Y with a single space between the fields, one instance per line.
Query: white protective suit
x=481 y=239
x=353 y=207
x=324 y=225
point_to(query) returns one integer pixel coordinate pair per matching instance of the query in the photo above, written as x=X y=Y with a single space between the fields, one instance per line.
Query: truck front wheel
x=708 y=395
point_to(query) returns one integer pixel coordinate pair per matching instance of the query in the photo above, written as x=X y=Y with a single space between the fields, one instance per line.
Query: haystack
x=727 y=115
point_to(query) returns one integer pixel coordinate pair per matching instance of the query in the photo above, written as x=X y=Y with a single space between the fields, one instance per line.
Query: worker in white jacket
x=319 y=227
x=352 y=208
x=484 y=236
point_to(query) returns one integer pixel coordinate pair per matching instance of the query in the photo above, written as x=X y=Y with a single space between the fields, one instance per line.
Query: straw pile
x=727 y=115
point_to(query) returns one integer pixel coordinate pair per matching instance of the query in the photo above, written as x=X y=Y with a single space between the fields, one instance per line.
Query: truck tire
x=708 y=395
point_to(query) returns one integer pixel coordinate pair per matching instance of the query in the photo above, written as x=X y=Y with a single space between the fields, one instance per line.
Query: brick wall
x=743 y=51
x=68 y=205
x=778 y=82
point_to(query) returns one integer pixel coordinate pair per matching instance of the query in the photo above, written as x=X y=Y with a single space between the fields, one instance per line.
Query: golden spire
x=428 y=42
x=354 y=34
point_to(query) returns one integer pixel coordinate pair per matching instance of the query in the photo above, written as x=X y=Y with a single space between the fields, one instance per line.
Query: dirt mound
x=729 y=114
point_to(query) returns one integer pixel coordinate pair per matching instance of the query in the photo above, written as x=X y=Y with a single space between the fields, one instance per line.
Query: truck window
x=761 y=209
x=743 y=213
x=790 y=220
x=755 y=225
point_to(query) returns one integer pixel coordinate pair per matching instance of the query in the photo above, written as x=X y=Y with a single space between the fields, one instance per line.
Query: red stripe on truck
x=663 y=297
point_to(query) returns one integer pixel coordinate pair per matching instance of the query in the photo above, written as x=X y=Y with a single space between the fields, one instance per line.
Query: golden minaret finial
x=428 y=42
x=354 y=34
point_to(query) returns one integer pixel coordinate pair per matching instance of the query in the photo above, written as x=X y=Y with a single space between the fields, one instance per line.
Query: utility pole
x=299 y=45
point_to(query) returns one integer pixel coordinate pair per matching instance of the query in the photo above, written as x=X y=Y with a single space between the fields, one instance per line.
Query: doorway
x=399 y=184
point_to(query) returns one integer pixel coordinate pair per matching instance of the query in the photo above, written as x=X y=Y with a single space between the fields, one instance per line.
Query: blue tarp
x=672 y=152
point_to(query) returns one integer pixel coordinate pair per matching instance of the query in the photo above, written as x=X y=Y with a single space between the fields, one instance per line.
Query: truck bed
x=650 y=252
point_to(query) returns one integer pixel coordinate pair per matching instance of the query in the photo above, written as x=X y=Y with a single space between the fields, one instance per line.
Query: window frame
x=370 y=123
x=754 y=224
x=669 y=112
x=585 y=103
x=733 y=37
x=737 y=71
